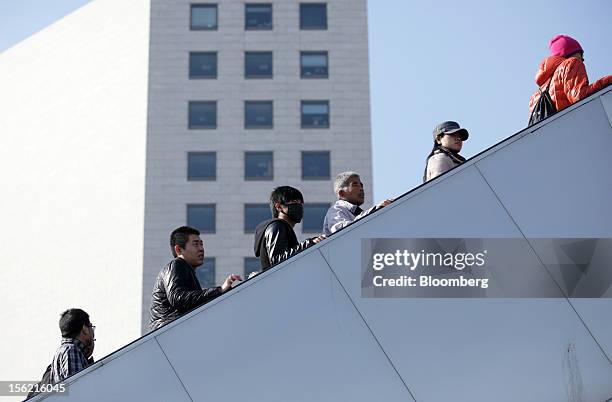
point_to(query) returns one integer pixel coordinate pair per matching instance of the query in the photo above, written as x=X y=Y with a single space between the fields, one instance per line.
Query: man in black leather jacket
x=275 y=240
x=177 y=289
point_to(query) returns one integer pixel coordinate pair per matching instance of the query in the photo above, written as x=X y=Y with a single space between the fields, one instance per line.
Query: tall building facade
x=125 y=120
x=244 y=97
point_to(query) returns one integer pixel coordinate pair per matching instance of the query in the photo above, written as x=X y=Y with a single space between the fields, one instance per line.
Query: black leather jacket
x=176 y=291
x=275 y=241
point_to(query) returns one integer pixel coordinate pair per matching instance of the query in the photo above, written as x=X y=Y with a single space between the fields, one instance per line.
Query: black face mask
x=295 y=212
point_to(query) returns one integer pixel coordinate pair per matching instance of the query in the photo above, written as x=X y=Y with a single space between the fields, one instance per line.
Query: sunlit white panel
x=595 y=313
x=140 y=374
x=556 y=181
x=606 y=99
x=290 y=334
x=446 y=349
x=460 y=204
x=582 y=269
x=434 y=212
x=480 y=349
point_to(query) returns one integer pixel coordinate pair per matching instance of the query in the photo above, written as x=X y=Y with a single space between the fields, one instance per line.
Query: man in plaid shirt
x=76 y=346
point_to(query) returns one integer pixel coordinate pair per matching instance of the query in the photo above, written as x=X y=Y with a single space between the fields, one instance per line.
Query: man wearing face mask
x=275 y=240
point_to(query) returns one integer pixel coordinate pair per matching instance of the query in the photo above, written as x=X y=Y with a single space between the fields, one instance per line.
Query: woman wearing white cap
x=448 y=141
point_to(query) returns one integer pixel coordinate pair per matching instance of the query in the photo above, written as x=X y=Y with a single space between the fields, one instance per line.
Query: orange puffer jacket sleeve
x=575 y=83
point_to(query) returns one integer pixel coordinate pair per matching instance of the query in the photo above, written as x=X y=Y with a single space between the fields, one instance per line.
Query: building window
x=315 y=114
x=315 y=165
x=206 y=273
x=313 y=16
x=201 y=166
x=202 y=65
x=202 y=217
x=254 y=214
x=314 y=215
x=258 y=64
x=203 y=17
x=258 y=166
x=313 y=64
x=258 y=16
x=258 y=114
x=251 y=264
x=203 y=114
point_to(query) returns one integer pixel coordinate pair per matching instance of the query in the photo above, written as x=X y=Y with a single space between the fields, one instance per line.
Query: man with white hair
x=349 y=190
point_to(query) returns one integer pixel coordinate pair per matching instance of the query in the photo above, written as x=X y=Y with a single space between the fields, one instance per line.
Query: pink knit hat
x=563 y=45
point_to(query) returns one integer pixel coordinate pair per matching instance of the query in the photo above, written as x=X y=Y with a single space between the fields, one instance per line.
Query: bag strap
x=546 y=90
x=551 y=78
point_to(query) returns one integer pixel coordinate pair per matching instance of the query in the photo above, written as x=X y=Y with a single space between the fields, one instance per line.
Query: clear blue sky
x=472 y=61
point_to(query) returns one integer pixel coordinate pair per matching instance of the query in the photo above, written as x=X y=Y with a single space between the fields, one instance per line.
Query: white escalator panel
x=141 y=374
x=292 y=335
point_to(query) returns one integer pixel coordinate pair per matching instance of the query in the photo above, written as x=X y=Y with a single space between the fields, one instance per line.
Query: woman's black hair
x=437 y=147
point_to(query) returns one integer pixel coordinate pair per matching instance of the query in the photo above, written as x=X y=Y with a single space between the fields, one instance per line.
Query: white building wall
x=72 y=166
x=169 y=139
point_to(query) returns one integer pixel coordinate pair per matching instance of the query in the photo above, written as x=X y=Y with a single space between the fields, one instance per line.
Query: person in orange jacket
x=565 y=67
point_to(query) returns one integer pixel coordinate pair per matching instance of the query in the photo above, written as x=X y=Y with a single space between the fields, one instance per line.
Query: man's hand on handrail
x=383 y=203
x=227 y=285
